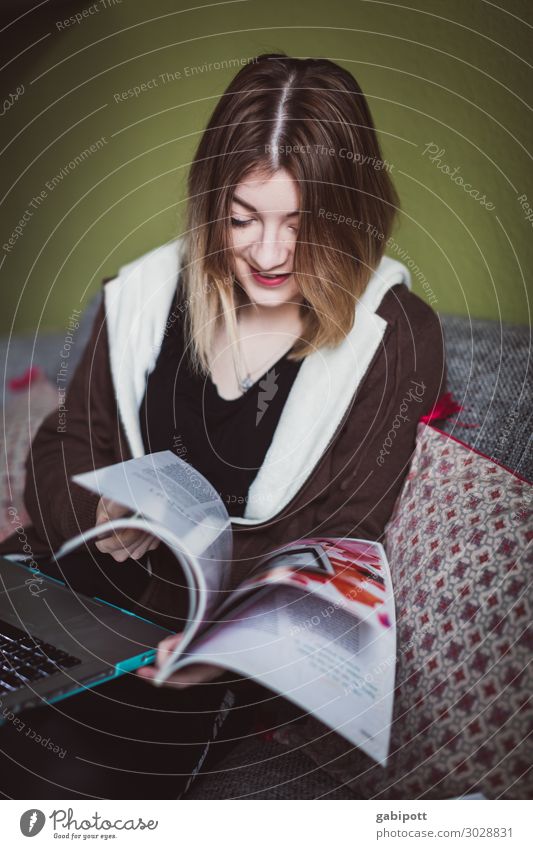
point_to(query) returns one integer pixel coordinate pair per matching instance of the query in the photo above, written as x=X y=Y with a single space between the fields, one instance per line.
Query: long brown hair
x=310 y=117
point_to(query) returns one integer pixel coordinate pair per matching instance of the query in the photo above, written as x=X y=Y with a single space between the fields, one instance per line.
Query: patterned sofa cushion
x=460 y=548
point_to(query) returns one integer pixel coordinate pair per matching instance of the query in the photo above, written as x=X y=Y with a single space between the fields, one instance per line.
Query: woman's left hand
x=198 y=673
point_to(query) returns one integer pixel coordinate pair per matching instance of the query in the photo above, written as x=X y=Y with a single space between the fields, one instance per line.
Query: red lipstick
x=268 y=281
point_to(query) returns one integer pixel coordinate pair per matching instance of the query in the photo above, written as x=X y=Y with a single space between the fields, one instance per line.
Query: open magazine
x=314 y=620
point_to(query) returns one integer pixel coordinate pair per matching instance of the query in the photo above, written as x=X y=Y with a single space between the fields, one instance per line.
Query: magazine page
x=328 y=645
x=165 y=490
x=191 y=571
x=350 y=573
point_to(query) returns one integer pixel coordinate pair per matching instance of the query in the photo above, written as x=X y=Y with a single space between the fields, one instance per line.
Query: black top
x=226 y=440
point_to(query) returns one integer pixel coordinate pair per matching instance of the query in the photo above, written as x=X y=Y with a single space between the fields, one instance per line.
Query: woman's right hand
x=125 y=542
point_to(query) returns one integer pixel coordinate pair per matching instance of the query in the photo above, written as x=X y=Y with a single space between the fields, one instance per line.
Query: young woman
x=271 y=347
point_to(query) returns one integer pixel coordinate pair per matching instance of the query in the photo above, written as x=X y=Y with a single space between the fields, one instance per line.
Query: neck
x=285 y=318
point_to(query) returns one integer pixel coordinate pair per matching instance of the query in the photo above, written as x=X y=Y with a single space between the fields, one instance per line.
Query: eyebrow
x=253 y=209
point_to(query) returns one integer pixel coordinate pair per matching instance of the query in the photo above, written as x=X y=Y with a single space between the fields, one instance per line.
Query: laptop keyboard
x=25 y=659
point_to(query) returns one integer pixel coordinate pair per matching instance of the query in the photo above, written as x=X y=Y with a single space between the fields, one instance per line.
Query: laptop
x=57 y=642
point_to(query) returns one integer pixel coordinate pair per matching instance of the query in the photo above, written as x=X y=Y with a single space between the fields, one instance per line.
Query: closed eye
x=243 y=222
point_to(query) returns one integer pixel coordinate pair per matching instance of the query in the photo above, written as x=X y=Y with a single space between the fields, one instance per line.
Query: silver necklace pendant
x=246 y=383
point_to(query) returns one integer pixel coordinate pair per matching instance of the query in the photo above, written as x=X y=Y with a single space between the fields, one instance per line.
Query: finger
x=137 y=553
x=166 y=647
x=119 y=554
x=127 y=534
x=113 y=509
x=107 y=510
x=107 y=535
x=128 y=538
x=198 y=673
x=147 y=672
x=149 y=543
x=106 y=544
x=101 y=517
x=104 y=510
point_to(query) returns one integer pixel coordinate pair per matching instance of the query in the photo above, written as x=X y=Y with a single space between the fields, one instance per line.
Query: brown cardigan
x=351 y=491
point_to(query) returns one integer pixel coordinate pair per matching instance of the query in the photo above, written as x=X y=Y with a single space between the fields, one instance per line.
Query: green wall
x=452 y=74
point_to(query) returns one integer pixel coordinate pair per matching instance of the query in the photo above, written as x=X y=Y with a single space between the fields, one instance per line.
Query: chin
x=269 y=297
x=274 y=297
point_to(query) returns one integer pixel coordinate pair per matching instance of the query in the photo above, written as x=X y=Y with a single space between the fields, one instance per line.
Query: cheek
x=295 y=292
x=239 y=239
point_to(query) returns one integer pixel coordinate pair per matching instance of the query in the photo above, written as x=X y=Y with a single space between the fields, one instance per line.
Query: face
x=264 y=229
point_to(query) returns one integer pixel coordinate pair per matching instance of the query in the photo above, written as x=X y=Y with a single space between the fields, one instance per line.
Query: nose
x=270 y=253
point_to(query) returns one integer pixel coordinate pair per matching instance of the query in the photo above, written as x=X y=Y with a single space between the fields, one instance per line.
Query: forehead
x=276 y=193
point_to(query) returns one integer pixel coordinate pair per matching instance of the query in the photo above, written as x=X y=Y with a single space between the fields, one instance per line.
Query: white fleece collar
x=137 y=305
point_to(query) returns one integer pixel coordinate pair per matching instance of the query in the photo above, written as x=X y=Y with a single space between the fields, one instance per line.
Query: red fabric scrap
x=444 y=407
x=16 y=384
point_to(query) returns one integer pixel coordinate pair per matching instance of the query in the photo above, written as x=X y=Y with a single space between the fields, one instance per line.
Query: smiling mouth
x=269 y=279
